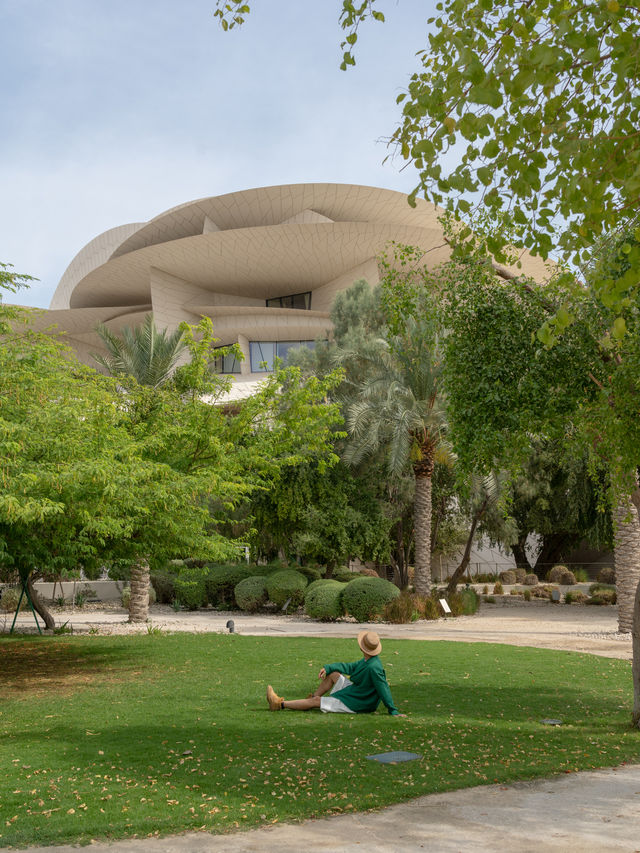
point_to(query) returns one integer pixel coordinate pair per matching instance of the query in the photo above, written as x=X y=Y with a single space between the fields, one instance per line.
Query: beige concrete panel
x=95 y=253
x=209 y=226
x=208 y=300
x=306 y=216
x=256 y=262
x=322 y=298
x=245 y=365
x=259 y=327
x=168 y=293
x=74 y=321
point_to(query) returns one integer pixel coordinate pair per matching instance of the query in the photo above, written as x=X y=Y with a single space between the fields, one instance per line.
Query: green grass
x=121 y=736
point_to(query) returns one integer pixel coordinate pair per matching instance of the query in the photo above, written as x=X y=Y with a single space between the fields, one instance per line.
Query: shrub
x=575 y=598
x=311 y=573
x=498 y=589
x=542 y=591
x=555 y=572
x=126 y=596
x=323 y=600
x=598 y=587
x=527 y=595
x=485 y=590
x=365 y=598
x=342 y=573
x=221 y=581
x=190 y=588
x=251 y=593
x=606 y=575
x=319 y=582
x=520 y=575
x=530 y=579
x=486 y=577
x=407 y=607
x=164 y=583
x=464 y=603
x=603 y=596
x=10 y=598
x=489 y=599
x=508 y=577
x=284 y=585
x=431 y=608
x=581 y=575
x=516 y=592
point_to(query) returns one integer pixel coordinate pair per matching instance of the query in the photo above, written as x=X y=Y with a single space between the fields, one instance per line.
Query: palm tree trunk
x=422 y=533
x=627 y=561
x=139 y=600
x=636 y=660
x=39 y=606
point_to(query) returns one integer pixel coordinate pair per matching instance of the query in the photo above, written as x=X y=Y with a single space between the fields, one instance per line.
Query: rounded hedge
x=323 y=600
x=365 y=598
x=284 y=585
x=221 y=582
x=164 y=583
x=251 y=593
x=508 y=577
x=190 y=588
x=310 y=573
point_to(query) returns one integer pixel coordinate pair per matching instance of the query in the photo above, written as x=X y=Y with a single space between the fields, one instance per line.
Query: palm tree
x=150 y=356
x=144 y=352
x=398 y=408
x=627 y=561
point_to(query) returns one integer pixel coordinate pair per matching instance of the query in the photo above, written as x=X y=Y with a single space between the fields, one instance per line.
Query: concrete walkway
x=592 y=812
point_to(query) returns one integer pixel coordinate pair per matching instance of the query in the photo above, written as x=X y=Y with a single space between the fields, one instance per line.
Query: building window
x=263 y=353
x=296 y=300
x=226 y=364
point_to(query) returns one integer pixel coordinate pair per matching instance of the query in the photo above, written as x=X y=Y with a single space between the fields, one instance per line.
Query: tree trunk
x=626 y=551
x=39 y=606
x=520 y=555
x=422 y=534
x=139 y=600
x=636 y=660
x=459 y=572
x=399 y=561
x=554 y=548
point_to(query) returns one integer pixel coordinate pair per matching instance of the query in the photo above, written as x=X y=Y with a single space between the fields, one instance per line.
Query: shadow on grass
x=60 y=664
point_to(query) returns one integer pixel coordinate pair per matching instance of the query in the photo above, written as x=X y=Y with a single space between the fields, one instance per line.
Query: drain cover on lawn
x=394 y=757
x=551 y=722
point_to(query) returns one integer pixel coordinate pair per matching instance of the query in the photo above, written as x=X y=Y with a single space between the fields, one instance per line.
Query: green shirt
x=368 y=686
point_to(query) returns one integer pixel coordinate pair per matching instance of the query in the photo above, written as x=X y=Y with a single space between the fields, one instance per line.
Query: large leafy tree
x=529 y=107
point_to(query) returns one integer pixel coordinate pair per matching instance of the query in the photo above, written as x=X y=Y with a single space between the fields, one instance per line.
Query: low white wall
x=92 y=590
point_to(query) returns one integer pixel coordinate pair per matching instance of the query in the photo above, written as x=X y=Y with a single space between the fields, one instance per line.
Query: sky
x=116 y=110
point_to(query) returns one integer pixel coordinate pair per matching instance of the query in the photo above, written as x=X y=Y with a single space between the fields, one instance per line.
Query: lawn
x=107 y=737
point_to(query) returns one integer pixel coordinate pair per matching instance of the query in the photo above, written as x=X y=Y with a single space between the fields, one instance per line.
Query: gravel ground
x=549 y=626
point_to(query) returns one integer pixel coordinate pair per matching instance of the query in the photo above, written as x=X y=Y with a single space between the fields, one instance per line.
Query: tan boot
x=275 y=701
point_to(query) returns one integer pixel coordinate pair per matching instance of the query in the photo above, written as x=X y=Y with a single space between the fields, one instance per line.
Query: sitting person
x=360 y=693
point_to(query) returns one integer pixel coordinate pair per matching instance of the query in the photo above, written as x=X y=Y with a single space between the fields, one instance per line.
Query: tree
x=526 y=106
x=142 y=351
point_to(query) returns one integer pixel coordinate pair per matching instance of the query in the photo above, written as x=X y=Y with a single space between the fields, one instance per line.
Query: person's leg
x=326 y=685
x=302 y=704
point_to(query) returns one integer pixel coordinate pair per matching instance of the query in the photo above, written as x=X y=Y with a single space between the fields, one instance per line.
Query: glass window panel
x=295 y=300
x=230 y=364
x=284 y=347
x=262 y=351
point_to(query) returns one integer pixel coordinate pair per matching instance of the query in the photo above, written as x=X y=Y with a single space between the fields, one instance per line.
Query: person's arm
x=384 y=692
x=344 y=668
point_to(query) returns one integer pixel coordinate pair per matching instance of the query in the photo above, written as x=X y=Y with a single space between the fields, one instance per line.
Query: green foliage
x=561 y=575
x=603 y=596
x=575 y=597
x=251 y=593
x=221 y=581
x=286 y=585
x=464 y=602
x=365 y=598
x=498 y=589
x=323 y=600
x=190 y=588
x=164 y=584
x=601 y=587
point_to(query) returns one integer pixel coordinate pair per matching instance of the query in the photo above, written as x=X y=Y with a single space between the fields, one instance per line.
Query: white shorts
x=331 y=704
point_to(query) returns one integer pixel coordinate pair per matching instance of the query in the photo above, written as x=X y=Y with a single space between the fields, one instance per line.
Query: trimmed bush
x=520 y=575
x=365 y=598
x=575 y=598
x=555 y=572
x=599 y=587
x=323 y=600
x=251 y=593
x=126 y=596
x=606 y=575
x=164 y=584
x=221 y=582
x=530 y=579
x=508 y=577
x=311 y=573
x=603 y=596
x=191 y=589
x=342 y=573
x=284 y=585
x=542 y=591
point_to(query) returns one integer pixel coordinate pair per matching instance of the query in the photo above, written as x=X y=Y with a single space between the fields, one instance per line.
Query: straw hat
x=369 y=642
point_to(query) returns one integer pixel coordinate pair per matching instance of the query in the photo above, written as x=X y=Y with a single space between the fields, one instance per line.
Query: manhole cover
x=394 y=757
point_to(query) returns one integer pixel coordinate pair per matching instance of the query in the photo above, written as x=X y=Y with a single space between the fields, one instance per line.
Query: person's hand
x=322 y=674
